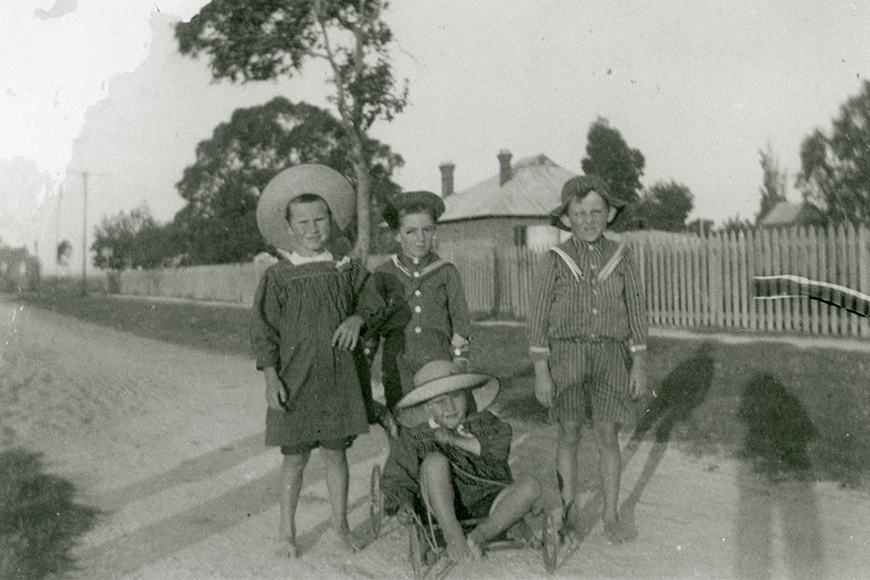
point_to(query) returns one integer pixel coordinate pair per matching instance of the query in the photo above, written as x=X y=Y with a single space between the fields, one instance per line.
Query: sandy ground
x=167 y=442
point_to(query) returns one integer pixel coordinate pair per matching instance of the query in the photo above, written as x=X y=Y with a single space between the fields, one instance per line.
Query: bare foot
x=344 y=542
x=616 y=532
x=460 y=551
x=287 y=549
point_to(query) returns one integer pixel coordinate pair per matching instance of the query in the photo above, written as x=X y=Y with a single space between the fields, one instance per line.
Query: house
x=785 y=214
x=510 y=208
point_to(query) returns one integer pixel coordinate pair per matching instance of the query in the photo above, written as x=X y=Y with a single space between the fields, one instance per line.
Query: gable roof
x=786 y=213
x=783 y=213
x=533 y=190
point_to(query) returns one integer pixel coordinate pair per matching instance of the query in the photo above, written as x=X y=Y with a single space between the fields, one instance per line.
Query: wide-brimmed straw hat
x=407 y=199
x=580 y=185
x=439 y=377
x=320 y=180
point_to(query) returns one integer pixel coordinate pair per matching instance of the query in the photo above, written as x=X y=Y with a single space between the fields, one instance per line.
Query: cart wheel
x=550 y=543
x=415 y=552
x=376 y=510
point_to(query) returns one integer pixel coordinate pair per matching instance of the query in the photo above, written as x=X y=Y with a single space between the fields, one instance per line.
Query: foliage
x=736 y=224
x=665 y=206
x=265 y=39
x=835 y=167
x=773 y=182
x=218 y=224
x=699 y=226
x=609 y=157
x=133 y=240
x=39 y=519
x=64 y=251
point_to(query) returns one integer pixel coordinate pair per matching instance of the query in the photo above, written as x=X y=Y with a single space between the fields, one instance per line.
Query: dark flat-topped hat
x=581 y=185
x=439 y=377
x=407 y=199
x=320 y=180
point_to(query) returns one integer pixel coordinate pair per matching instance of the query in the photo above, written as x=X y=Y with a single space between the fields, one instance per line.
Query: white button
x=594 y=311
x=418 y=330
x=417 y=293
x=418 y=309
x=416 y=274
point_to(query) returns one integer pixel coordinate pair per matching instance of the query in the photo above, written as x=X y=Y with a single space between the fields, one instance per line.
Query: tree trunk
x=363 y=198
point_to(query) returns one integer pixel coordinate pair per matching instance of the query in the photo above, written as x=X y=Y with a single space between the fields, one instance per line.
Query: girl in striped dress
x=308 y=312
x=587 y=331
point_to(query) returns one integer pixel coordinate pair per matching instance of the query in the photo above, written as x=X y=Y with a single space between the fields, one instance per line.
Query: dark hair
x=305 y=198
x=393 y=215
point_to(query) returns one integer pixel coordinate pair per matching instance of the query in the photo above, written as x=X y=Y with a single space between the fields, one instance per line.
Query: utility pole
x=85 y=235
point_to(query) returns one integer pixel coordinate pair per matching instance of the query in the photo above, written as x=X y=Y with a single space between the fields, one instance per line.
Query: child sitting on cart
x=451 y=460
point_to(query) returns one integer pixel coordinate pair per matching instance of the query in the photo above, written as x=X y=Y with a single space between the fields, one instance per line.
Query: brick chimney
x=447 y=178
x=504 y=162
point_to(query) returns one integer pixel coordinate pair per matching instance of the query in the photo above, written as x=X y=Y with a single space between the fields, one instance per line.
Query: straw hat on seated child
x=439 y=377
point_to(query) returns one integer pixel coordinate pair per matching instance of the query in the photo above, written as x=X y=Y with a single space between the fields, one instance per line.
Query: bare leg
x=610 y=468
x=291 y=485
x=513 y=505
x=435 y=473
x=337 y=477
x=567 y=450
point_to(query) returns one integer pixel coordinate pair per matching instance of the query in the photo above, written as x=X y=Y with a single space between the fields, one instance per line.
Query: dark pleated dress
x=296 y=311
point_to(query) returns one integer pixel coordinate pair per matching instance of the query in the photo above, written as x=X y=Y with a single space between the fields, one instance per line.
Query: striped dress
x=588 y=314
x=400 y=481
x=296 y=311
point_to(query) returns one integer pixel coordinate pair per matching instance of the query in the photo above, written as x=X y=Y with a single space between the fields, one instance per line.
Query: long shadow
x=775 y=484
x=149 y=544
x=40 y=521
x=683 y=389
x=203 y=467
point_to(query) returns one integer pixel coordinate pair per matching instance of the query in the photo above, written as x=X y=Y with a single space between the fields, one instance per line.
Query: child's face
x=589 y=216
x=448 y=410
x=416 y=234
x=309 y=224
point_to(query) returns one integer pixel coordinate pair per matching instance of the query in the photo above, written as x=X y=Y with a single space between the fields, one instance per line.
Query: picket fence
x=698 y=282
x=689 y=281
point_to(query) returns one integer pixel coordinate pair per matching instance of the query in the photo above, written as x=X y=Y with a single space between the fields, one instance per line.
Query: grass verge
x=794 y=408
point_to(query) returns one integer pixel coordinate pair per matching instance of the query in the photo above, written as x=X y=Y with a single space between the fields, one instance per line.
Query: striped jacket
x=587 y=292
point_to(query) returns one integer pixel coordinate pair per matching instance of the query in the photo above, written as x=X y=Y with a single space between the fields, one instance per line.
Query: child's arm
x=457 y=308
x=538 y=329
x=276 y=392
x=447 y=437
x=635 y=304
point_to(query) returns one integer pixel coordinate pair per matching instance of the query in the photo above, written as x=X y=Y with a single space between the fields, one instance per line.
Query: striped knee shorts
x=592 y=381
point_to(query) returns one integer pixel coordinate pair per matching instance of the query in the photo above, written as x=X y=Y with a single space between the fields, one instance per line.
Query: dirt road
x=167 y=442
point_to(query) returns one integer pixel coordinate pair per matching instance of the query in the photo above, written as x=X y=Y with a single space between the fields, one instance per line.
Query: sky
x=94 y=92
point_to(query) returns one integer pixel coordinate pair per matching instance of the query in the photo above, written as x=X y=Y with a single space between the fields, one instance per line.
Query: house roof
x=783 y=213
x=534 y=189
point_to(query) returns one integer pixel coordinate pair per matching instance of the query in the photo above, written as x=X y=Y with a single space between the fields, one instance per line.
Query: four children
x=587 y=331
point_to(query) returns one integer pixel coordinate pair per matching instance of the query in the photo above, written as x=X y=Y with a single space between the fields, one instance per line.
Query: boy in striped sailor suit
x=587 y=331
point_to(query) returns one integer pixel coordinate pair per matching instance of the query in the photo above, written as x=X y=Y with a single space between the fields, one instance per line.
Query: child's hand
x=544 y=387
x=347 y=334
x=443 y=435
x=405 y=515
x=276 y=392
x=637 y=378
x=458 y=341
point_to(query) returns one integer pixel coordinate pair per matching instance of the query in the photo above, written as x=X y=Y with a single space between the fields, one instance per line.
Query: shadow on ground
x=40 y=522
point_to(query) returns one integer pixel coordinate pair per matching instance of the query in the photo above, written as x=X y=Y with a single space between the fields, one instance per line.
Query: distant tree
x=700 y=227
x=218 y=224
x=64 y=251
x=835 y=168
x=609 y=157
x=265 y=39
x=133 y=240
x=736 y=224
x=773 y=184
x=665 y=206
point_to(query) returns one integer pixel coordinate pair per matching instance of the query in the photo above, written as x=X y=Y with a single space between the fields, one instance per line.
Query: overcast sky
x=699 y=87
